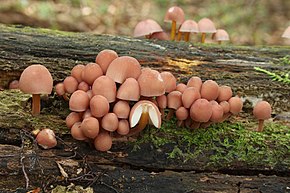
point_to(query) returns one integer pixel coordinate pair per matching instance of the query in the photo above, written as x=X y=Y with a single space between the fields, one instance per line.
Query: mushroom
x=205 y=25
x=60 y=91
x=90 y=127
x=187 y=27
x=220 y=35
x=99 y=106
x=76 y=72
x=175 y=15
x=46 y=139
x=129 y=90
x=123 y=127
x=79 y=101
x=262 y=111
x=106 y=87
x=160 y=36
x=72 y=118
x=201 y=111
x=174 y=101
x=103 y=142
x=83 y=86
x=122 y=109
x=110 y=122
x=194 y=81
x=76 y=132
x=217 y=112
x=162 y=104
x=70 y=84
x=225 y=93
x=146 y=28
x=236 y=105
x=169 y=81
x=190 y=95
x=209 y=90
x=14 y=84
x=142 y=113
x=91 y=72
x=104 y=59
x=181 y=87
x=286 y=33
x=181 y=115
x=36 y=80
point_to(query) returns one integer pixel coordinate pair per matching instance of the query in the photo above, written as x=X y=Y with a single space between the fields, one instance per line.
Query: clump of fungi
x=150 y=29
x=120 y=99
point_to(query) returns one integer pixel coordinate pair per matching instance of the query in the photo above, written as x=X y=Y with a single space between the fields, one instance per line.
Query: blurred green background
x=249 y=22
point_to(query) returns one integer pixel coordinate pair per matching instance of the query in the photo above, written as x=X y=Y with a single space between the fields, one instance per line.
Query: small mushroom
x=201 y=111
x=175 y=15
x=181 y=114
x=174 y=101
x=205 y=25
x=91 y=72
x=46 y=139
x=14 y=84
x=160 y=36
x=142 y=113
x=194 y=81
x=60 y=91
x=162 y=104
x=76 y=72
x=106 y=87
x=83 y=86
x=190 y=95
x=72 y=118
x=123 y=127
x=129 y=90
x=225 y=93
x=262 y=111
x=187 y=27
x=181 y=87
x=76 y=132
x=90 y=127
x=236 y=105
x=70 y=84
x=146 y=28
x=220 y=35
x=36 y=80
x=110 y=122
x=79 y=101
x=122 y=109
x=99 y=106
x=169 y=81
x=209 y=90
x=104 y=59
x=103 y=142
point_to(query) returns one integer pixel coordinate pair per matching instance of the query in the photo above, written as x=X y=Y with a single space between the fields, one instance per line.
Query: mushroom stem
x=179 y=36
x=144 y=119
x=186 y=36
x=173 y=29
x=170 y=114
x=203 y=37
x=260 y=126
x=195 y=125
x=162 y=113
x=35 y=104
x=180 y=123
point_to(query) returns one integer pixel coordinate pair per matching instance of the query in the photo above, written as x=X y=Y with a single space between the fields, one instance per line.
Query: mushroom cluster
x=150 y=29
x=114 y=97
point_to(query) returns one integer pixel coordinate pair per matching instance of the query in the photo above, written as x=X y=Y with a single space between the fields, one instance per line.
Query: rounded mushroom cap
x=221 y=35
x=14 y=84
x=104 y=59
x=236 y=105
x=129 y=90
x=174 y=100
x=90 y=127
x=180 y=87
x=225 y=93
x=83 y=86
x=195 y=82
x=91 y=72
x=286 y=33
x=36 y=79
x=174 y=14
x=151 y=83
x=122 y=109
x=146 y=27
x=209 y=90
x=169 y=81
x=162 y=101
x=160 y=36
x=99 y=106
x=79 y=101
x=59 y=89
x=110 y=122
x=46 y=138
x=76 y=132
x=190 y=95
x=200 y=110
x=76 y=72
x=262 y=110
x=106 y=87
x=217 y=112
x=205 y=25
x=123 y=127
x=70 y=84
x=181 y=113
x=122 y=68
x=189 y=26
x=226 y=106
x=103 y=142
x=72 y=118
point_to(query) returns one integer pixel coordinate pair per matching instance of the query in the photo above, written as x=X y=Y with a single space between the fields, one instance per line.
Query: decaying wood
x=147 y=169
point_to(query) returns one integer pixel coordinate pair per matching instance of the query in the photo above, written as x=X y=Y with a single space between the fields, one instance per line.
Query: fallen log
x=157 y=158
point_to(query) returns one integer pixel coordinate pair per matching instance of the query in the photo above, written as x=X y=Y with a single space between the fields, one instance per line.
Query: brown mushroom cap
x=99 y=106
x=190 y=95
x=151 y=83
x=72 y=118
x=205 y=25
x=90 y=127
x=83 y=86
x=129 y=90
x=123 y=127
x=76 y=72
x=225 y=93
x=103 y=142
x=91 y=72
x=262 y=110
x=217 y=112
x=76 y=131
x=180 y=87
x=174 y=14
x=189 y=26
x=36 y=79
x=201 y=111
x=209 y=90
x=79 y=101
x=146 y=27
x=70 y=84
x=106 y=87
x=14 y=84
x=104 y=59
x=160 y=36
x=122 y=68
x=226 y=106
x=181 y=113
x=110 y=122
x=59 y=89
x=221 y=35
x=46 y=138
x=162 y=101
x=169 y=81
x=122 y=109
x=86 y=114
x=174 y=100
x=195 y=82
x=236 y=105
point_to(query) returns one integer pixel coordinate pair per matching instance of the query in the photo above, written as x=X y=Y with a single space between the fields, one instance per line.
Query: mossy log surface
x=224 y=158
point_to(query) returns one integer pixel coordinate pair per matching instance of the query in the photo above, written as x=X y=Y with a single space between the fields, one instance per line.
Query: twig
x=24 y=172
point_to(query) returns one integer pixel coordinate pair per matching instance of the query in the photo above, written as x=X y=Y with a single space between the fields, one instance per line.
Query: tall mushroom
x=205 y=25
x=262 y=111
x=174 y=15
x=36 y=80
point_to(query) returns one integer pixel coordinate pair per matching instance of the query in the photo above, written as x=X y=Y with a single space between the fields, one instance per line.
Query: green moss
x=224 y=143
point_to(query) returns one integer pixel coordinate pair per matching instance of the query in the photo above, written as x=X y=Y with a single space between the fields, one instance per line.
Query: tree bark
x=125 y=169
